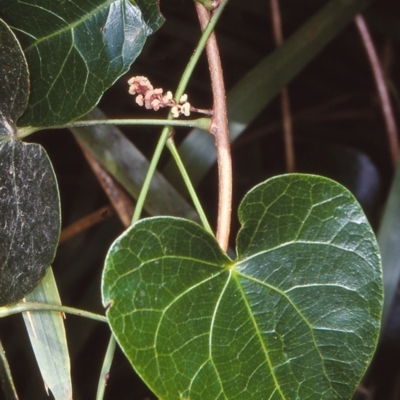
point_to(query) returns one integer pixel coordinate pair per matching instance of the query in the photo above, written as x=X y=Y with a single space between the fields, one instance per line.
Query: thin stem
x=287 y=125
x=172 y=148
x=8 y=385
x=199 y=49
x=219 y=127
x=381 y=87
x=285 y=101
x=165 y=134
x=105 y=369
x=147 y=180
x=199 y=123
x=121 y=202
x=85 y=223
x=30 y=306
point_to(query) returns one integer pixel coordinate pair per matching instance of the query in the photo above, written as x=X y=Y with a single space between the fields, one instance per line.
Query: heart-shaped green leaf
x=76 y=50
x=14 y=81
x=29 y=218
x=296 y=316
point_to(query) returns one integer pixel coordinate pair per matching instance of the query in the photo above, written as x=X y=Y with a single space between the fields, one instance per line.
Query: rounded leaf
x=30 y=218
x=296 y=316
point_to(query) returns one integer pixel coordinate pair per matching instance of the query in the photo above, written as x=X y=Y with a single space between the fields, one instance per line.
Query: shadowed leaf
x=30 y=218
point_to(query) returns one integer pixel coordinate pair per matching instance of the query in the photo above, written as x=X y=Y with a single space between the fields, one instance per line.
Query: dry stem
x=85 y=223
x=382 y=89
x=119 y=199
x=285 y=101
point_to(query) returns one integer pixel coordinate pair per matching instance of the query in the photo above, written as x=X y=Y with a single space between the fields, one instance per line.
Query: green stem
x=172 y=148
x=165 y=134
x=30 y=306
x=199 y=123
x=147 y=180
x=8 y=385
x=199 y=49
x=105 y=369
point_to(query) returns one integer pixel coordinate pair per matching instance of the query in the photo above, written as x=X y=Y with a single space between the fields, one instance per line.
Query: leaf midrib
x=287 y=298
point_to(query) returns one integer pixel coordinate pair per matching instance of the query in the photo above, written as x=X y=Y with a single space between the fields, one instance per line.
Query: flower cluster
x=155 y=99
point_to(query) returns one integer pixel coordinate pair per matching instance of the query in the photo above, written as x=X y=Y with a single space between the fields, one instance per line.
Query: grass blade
x=47 y=335
x=388 y=240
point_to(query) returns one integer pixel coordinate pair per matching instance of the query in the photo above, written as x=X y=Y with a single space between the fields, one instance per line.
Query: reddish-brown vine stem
x=219 y=128
x=285 y=101
x=85 y=223
x=383 y=93
x=119 y=199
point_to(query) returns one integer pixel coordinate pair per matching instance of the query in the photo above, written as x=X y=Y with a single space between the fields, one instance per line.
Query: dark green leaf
x=76 y=50
x=296 y=316
x=14 y=81
x=30 y=218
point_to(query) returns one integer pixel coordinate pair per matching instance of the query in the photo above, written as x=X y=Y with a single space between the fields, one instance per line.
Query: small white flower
x=186 y=109
x=167 y=97
x=175 y=111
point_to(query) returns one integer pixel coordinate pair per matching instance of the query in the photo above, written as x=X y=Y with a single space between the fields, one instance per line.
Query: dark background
x=339 y=133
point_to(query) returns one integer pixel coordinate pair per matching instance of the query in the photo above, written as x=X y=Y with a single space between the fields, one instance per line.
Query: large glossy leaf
x=14 y=81
x=30 y=218
x=295 y=316
x=76 y=50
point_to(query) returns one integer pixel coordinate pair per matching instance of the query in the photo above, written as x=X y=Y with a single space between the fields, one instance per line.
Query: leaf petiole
x=199 y=123
x=172 y=148
x=105 y=369
x=30 y=306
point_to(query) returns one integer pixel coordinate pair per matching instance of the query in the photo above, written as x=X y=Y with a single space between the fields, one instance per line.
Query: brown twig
x=382 y=89
x=219 y=128
x=119 y=199
x=285 y=101
x=86 y=222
